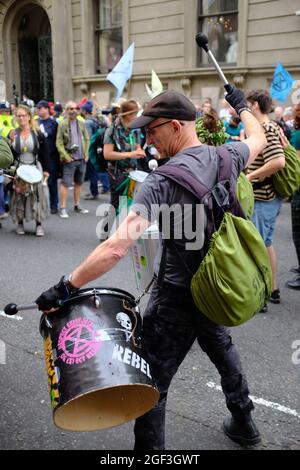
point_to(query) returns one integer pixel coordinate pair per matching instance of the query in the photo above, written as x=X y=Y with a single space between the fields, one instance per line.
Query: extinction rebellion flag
x=282 y=83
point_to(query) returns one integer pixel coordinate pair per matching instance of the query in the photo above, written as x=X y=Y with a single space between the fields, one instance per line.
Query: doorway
x=35 y=54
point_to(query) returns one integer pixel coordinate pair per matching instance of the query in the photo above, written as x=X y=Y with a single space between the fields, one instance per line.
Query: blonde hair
x=32 y=122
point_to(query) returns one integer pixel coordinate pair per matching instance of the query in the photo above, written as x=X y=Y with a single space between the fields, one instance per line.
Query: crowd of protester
x=78 y=142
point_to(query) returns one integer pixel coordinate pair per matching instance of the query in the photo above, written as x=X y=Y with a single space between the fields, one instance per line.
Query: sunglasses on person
x=149 y=130
x=73 y=109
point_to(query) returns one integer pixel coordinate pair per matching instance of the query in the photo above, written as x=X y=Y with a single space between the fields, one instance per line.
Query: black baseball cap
x=169 y=104
x=58 y=107
x=43 y=104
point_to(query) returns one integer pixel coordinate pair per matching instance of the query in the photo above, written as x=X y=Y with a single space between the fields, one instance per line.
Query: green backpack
x=234 y=280
x=287 y=180
x=245 y=195
x=6 y=156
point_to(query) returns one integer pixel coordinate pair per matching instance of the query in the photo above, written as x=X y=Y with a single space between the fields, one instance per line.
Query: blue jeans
x=94 y=177
x=264 y=218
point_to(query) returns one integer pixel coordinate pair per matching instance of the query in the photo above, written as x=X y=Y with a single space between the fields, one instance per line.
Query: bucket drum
x=98 y=374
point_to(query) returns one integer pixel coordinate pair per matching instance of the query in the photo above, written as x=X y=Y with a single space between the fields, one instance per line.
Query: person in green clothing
x=72 y=143
x=122 y=148
x=6 y=119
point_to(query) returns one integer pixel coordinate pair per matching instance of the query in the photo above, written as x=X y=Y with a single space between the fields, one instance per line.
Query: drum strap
x=138 y=299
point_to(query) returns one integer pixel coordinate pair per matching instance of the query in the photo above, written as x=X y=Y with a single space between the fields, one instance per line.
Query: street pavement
x=196 y=407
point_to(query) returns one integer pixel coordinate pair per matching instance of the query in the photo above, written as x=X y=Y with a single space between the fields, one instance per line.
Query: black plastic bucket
x=98 y=375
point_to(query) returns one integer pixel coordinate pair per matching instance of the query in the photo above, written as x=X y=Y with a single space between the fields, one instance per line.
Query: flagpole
x=129 y=88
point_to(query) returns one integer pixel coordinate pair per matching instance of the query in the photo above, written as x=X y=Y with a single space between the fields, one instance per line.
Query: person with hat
x=171 y=321
x=87 y=113
x=94 y=125
x=48 y=126
x=57 y=112
x=122 y=148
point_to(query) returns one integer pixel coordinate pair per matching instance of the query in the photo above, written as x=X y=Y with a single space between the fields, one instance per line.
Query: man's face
x=72 y=111
x=160 y=133
x=43 y=113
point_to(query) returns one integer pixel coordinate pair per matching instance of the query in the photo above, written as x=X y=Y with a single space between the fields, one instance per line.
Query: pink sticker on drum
x=78 y=341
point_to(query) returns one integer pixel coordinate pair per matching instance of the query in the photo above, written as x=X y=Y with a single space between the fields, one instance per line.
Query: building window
x=109 y=34
x=218 y=19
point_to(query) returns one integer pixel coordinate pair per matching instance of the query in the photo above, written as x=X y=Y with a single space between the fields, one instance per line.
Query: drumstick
x=202 y=42
x=13 y=309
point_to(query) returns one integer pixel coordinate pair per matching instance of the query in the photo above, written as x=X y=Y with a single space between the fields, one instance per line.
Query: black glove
x=236 y=98
x=51 y=297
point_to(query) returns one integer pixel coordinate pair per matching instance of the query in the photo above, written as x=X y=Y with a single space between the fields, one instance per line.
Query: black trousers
x=170 y=326
x=296 y=222
x=116 y=179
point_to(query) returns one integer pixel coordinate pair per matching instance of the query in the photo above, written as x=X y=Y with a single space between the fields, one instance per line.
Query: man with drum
x=171 y=321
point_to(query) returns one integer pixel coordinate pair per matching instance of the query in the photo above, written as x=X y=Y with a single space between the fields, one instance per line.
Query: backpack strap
x=225 y=164
x=224 y=179
x=185 y=179
x=216 y=200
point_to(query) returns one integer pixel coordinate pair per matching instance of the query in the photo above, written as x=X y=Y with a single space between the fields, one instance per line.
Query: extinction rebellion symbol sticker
x=77 y=341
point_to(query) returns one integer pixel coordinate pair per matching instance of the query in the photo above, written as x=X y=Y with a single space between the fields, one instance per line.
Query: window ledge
x=230 y=70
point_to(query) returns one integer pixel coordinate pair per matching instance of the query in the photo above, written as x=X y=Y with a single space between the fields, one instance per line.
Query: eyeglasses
x=149 y=130
x=73 y=109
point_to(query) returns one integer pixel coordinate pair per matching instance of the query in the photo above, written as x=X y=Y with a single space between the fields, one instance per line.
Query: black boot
x=241 y=430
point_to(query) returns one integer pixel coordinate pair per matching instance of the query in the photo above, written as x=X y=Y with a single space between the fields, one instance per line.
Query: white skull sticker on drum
x=124 y=321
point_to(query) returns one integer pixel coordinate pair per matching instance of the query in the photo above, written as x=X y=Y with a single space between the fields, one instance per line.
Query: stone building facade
x=52 y=48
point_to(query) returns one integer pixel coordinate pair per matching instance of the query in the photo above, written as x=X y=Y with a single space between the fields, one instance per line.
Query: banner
x=282 y=83
x=122 y=72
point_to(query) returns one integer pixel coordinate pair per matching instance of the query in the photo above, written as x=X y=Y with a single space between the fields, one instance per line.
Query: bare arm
x=267 y=170
x=256 y=140
x=110 y=154
x=110 y=252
